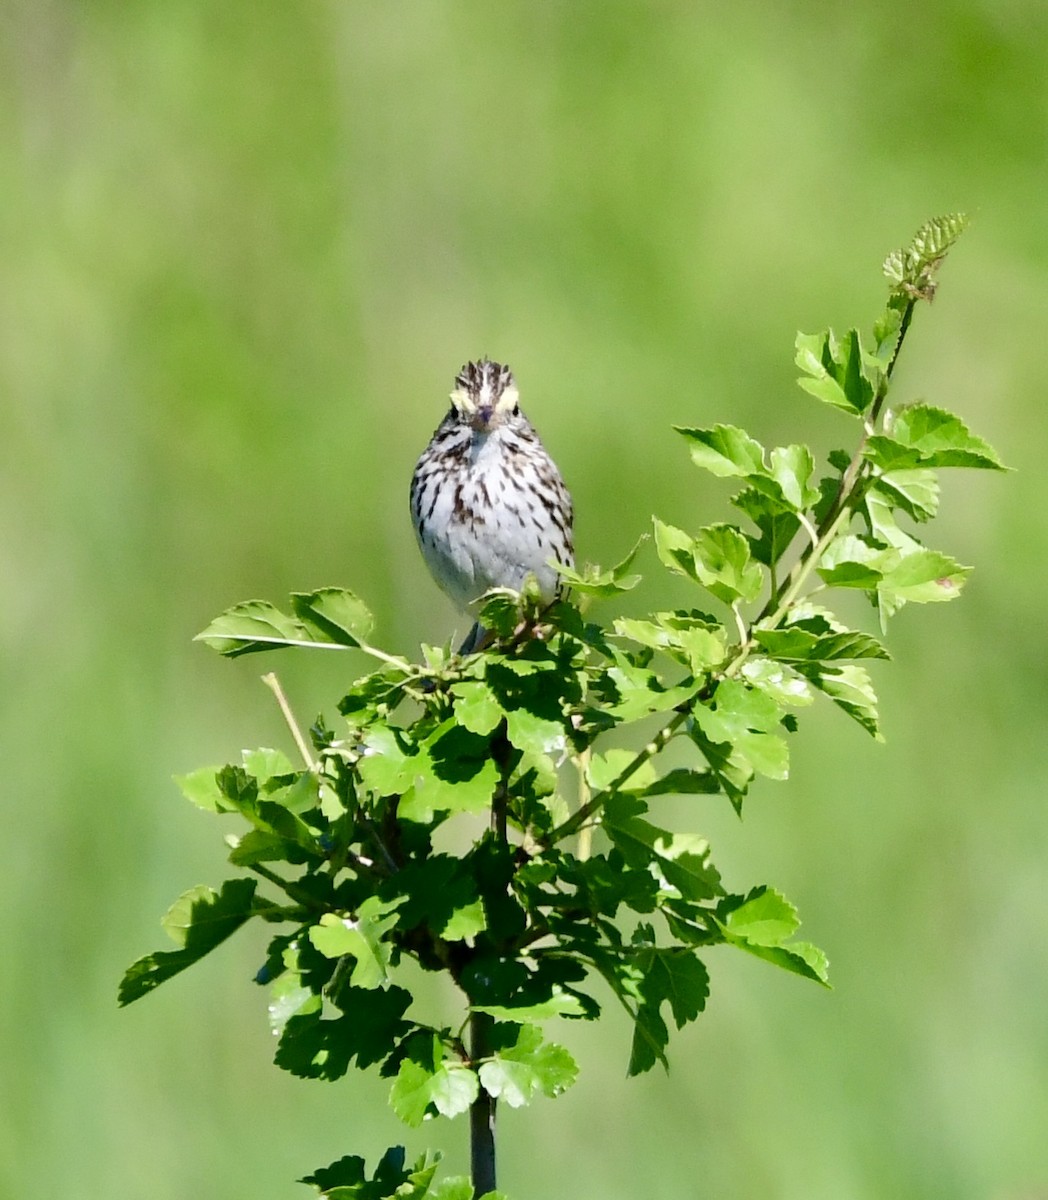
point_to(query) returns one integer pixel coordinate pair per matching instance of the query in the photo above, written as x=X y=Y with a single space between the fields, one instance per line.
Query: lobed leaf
x=361 y=937
x=523 y=1065
x=367 y=1032
x=718 y=557
x=427 y=1081
x=835 y=370
x=347 y=1180
x=673 y=976
x=199 y=920
x=762 y=924
x=592 y=581
x=921 y=435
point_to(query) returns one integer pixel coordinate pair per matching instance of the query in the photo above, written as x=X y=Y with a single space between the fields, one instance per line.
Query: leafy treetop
x=448 y=815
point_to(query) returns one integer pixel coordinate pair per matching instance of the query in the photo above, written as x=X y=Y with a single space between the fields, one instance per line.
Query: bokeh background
x=243 y=249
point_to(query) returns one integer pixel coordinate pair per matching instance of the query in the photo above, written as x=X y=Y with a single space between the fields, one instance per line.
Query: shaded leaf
x=367 y=1031
x=201 y=920
x=347 y=1179
x=797 y=642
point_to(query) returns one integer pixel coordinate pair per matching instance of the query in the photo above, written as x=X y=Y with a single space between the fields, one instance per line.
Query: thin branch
x=582 y=815
x=273 y=684
x=585 y=844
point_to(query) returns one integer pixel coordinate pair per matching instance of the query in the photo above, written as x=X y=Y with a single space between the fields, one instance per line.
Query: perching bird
x=487 y=502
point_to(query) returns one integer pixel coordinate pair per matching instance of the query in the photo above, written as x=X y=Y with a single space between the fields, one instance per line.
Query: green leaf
x=762 y=924
x=680 y=862
x=441 y=893
x=849 y=687
x=628 y=692
x=916 y=492
x=765 y=918
x=922 y=436
x=361 y=937
x=265 y=764
x=911 y=271
x=425 y=1078
x=718 y=557
x=724 y=450
x=776 y=525
x=743 y=718
x=346 y=1179
x=301 y=795
x=199 y=920
x=337 y=615
x=452 y=772
x=850 y=561
x=476 y=706
x=672 y=975
x=921 y=577
x=501 y=610
x=455 y=1187
x=534 y=734
x=778 y=680
x=834 y=370
x=592 y=581
x=791 y=468
x=697 y=647
x=804 y=641
x=560 y=1004
x=289 y=997
x=367 y=1032
x=523 y=1065
x=886 y=332
x=201 y=788
x=255 y=625
x=603 y=769
x=386 y=765
x=683 y=782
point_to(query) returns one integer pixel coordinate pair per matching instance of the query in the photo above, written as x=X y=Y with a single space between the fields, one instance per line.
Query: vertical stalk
x=481 y=1111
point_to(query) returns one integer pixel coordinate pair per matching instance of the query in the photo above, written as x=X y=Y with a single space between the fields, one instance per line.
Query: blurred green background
x=243 y=250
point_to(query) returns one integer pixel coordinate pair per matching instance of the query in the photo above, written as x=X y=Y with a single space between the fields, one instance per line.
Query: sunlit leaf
x=361 y=937
x=920 y=435
x=524 y=1065
x=724 y=450
x=835 y=370
x=592 y=581
x=425 y=1078
x=335 y=613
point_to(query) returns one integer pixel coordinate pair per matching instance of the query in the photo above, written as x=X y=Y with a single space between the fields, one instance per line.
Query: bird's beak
x=484 y=413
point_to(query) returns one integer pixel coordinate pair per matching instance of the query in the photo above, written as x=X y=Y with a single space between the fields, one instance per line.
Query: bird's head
x=485 y=394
